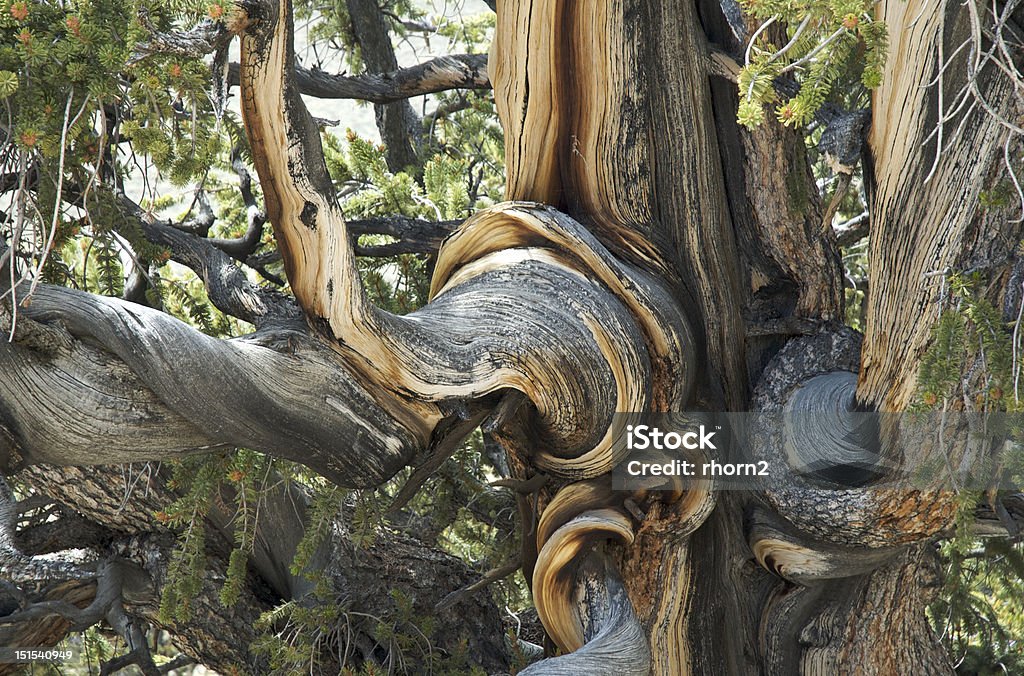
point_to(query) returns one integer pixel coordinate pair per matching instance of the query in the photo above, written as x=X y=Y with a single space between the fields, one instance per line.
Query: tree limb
x=398 y=123
x=491 y=576
x=241 y=248
x=612 y=641
x=276 y=390
x=227 y=286
x=205 y=38
x=447 y=351
x=414 y=235
x=455 y=71
x=853 y=230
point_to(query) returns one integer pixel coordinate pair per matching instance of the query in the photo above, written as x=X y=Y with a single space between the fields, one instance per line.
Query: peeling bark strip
x=613 y=640
x=580 y=514
x=570 y=89
x=554 y=577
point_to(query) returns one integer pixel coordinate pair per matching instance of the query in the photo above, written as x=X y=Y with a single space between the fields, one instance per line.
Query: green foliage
x=294 y=634
x=1000 y=195
x=109 y=279
x=444 y=187
x=95 y=646
x=245 y=472
x=450 y=188
x=828 y=43
x=200 y=479
x=86 y=112
x=970 y=329
x=324 y=508
x=299 y=635
x=978 y=616
x=970 y=363
x=468 y=131
x=188 y=302
x=63 y=65
x=941 y=366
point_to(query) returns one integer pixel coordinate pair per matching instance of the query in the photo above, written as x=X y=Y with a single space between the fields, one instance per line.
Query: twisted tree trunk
x=652 y=257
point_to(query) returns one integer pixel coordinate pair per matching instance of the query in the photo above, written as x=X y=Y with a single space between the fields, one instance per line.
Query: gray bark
x=398 y=123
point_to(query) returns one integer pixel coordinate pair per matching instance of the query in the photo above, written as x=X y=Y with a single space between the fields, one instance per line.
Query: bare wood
x=921 y=229
x=615 y=644
x=406 y=356
x=553 y=581
x=455 y=71
x=191 y=392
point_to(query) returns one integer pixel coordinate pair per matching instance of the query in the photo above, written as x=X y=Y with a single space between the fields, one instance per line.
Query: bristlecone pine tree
x=653 y=254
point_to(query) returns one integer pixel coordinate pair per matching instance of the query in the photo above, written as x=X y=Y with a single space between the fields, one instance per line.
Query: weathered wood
x=452 y=71
x=925 y=200
x=474 y=338
x=586 y=133
x=159 y=388
x=456 y=71
x=398 y=123
x=614 y=640
x=575 y=300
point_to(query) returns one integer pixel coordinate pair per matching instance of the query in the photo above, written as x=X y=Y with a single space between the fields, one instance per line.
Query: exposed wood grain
x=920 y=229
x=615 y=643
x=575 y=301
x=447 y=351
x=160 y=388
x=554 y=577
